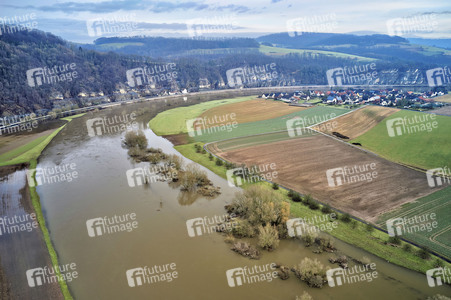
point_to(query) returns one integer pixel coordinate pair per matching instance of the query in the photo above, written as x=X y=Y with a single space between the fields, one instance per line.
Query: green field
x=173 y=121
x=29 y=151
x=33 y=149
x=253 y=140
x=265 y=126
x=437 y=239
x=283 y=51
x=423 y=149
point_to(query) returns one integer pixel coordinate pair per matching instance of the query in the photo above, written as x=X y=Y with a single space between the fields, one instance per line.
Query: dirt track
x=302 y=164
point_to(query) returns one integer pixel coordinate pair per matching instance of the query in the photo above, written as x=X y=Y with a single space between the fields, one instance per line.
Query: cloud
x=130 y=5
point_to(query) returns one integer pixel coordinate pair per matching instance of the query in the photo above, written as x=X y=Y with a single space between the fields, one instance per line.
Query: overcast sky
x=75 y=21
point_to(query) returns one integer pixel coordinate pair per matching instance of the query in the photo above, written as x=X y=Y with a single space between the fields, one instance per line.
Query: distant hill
x=441 y=43
x=166 y=47
x=379 y=46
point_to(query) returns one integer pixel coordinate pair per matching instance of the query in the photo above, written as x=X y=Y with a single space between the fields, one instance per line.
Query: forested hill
x=164 y=47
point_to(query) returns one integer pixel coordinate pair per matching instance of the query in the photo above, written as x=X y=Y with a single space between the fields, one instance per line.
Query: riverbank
x=21 y=157
x=354 y=233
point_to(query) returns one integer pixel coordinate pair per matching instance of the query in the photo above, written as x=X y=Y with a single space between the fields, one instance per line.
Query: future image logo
x=438 y=76
x=150 y=275
x=438 y=176
x=351 y=74
x=111 y=125
x=438 y=276
x=44 y=275
x=58 y=73
x=360 y=273
x=248 y=275
x=238 y=77
x=351 y=174
x=241 y=175
x=207 y=225
x=411 y=225
x=111 y=225
x=111 y=25
x=411 y=124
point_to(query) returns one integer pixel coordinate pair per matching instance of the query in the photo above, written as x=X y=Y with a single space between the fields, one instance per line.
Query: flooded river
x=101 y=189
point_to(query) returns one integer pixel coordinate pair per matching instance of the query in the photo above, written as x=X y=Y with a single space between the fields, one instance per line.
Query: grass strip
x=35 y=200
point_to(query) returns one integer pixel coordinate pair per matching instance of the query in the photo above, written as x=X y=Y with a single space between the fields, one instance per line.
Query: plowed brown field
x=357 y=122
x=252 y=110
x=302 y=164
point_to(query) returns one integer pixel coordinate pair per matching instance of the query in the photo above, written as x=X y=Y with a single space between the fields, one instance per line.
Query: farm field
x=254 y=140
x=439 y=238
x=302 y=164
x=310 y=116
x=252 y=110
x=445 y=110
x=277 y=51
x=423 y=149
x=173 y=121
x=445 y=98
x=357 y=122
x=10 y=142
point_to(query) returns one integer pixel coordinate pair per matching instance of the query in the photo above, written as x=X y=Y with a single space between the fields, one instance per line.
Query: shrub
x=154 y=150
x=326 y=209
x=313 y=205
x=228 y=165
x=369 y=227
x=354 y=224
x=243 y=229
x=174 y=160
x=424 y=253
x=133 y=139
x=307 y=199
x=135 y=152
x=324 y=243
x=311 y=271
x=275 y=186
x=308 y=238
x=290 y=194
x=210 y=157
x=268 y=237
x=219 y=162
x=263 y=206
x=193 y=177
x=204 y=151
x=346 y=218
x=230 y=239
x=407 y=247
x=154 y=158
x=438 y=263
x=297 y=197
x=394 y=240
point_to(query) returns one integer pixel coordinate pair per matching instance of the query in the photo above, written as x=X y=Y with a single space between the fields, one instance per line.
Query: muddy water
x=101 y=189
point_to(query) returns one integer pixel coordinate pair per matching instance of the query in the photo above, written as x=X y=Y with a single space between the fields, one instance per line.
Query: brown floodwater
x=161 y=236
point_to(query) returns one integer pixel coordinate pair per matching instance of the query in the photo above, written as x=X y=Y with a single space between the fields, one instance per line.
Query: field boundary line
x=433 y=237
